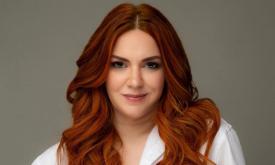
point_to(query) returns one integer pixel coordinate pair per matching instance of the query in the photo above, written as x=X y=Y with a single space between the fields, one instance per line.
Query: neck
x=132 y=131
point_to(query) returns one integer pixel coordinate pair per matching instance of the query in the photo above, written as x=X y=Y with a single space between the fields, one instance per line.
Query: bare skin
x=134 y=85
x=133 y=136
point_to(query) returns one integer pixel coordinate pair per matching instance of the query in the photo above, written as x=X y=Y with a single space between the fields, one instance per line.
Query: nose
x=135 y=79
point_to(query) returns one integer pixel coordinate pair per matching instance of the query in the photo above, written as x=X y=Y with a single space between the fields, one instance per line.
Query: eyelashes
x=153 y=65
x=149 y=65
x=118 y=64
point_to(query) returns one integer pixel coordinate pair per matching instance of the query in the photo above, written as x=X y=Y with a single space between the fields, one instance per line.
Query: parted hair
x=185 y=121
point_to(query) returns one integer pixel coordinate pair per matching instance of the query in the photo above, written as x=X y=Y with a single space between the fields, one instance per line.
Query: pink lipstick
x=135 y=98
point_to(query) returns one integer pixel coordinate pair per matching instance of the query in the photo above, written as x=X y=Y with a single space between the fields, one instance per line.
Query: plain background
x=230 y=44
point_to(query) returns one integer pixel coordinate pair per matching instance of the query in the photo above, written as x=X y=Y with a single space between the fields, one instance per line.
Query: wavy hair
x=185 y=122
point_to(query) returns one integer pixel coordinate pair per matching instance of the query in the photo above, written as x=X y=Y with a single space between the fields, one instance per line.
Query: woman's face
x=135 y=80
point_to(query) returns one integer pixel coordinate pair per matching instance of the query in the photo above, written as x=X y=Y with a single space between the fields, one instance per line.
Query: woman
x=134 y=102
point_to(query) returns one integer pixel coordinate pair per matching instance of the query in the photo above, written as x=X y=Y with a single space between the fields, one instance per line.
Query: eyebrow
x=144 y=60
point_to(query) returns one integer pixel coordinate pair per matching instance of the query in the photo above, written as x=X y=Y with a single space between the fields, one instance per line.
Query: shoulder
x=225 y=130
x=226 y=147
x=48 y=157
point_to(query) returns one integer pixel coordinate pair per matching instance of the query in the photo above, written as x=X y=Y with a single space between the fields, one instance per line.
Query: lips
x=135 y=97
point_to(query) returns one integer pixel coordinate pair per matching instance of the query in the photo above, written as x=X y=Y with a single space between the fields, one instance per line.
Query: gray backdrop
x=230 y=45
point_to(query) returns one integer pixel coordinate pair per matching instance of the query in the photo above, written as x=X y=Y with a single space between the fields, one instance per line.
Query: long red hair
x=185 y=122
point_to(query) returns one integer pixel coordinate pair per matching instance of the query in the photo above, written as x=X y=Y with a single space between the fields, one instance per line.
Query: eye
x=118 y=64
x=152 y=65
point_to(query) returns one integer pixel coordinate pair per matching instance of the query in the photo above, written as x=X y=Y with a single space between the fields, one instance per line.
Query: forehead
x=136 y=44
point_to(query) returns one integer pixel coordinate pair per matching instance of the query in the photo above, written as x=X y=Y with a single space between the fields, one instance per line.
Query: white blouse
x=225 y=150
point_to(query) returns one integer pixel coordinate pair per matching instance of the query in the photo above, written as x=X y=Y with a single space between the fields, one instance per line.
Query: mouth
x=134 y=98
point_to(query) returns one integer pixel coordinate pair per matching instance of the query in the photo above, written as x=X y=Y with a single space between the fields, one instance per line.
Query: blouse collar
x=153 y=149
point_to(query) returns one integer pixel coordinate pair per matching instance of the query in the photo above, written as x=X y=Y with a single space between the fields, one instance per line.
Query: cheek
x=114 y=81
x=156 y=81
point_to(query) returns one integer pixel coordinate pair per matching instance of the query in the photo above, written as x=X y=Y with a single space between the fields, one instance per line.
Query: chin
x=134 y=113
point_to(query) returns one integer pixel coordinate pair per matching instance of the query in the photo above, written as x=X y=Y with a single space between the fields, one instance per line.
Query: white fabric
x=226 y=149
